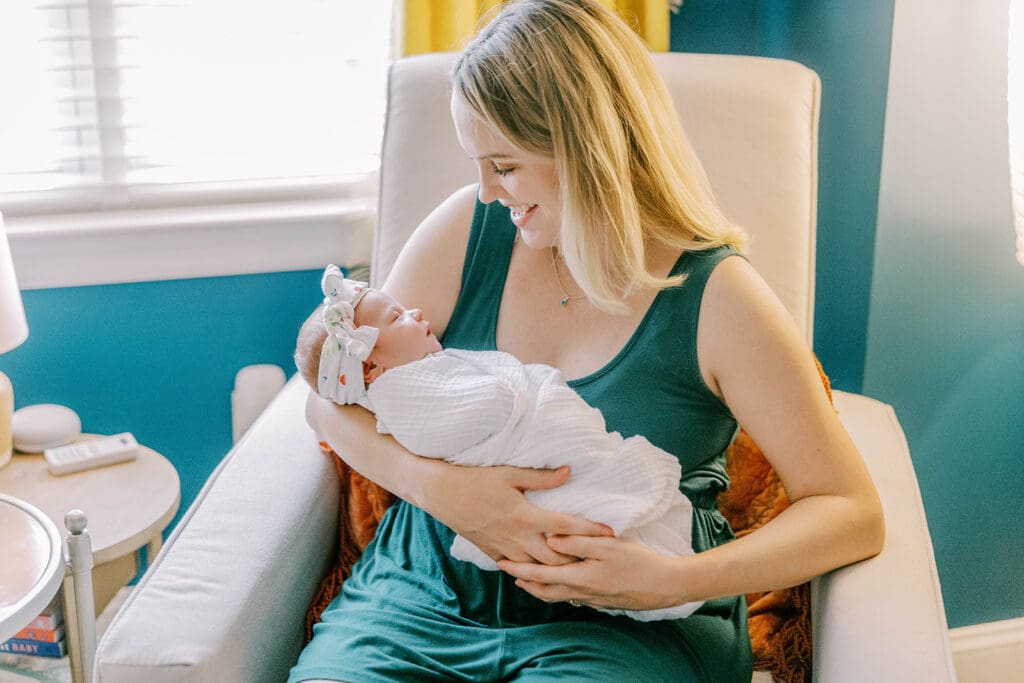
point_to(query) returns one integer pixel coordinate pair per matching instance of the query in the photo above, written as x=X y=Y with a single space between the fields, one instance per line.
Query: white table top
x=127 y=504
x=33 y=564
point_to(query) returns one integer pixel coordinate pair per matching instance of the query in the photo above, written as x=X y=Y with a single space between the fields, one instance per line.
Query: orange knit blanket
x=779 y=621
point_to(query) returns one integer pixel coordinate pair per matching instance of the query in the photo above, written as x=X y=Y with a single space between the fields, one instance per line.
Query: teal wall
x=946 y=333
x=847 y=43
x=159 y=359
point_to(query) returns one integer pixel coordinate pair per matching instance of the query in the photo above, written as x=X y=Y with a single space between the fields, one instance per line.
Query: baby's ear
x=371 y=371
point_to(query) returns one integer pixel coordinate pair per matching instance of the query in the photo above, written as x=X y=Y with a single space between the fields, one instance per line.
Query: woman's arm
x=428 y=272
x=486 y=505
x=753 y=357
x=757 y=361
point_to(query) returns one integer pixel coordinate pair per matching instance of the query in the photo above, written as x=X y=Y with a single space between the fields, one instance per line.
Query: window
x=1015 y=118
x=119 y=108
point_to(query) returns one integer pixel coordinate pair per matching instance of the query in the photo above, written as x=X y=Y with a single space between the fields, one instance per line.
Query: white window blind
x=108 y=104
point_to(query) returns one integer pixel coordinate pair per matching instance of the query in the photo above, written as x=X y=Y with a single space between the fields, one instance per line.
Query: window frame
x=122 y=233
x=53 y=250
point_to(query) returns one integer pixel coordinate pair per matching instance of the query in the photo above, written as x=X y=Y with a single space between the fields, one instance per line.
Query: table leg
x=79 y=606
x=152 y=548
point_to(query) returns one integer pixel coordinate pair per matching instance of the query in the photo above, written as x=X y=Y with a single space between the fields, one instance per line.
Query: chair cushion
x=225 y=598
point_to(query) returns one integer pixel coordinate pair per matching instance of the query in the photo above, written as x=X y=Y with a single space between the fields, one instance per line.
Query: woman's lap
x=396 y=644
x=410 y=613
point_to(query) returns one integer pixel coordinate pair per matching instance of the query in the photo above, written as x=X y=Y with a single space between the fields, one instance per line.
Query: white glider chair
x=226 y=598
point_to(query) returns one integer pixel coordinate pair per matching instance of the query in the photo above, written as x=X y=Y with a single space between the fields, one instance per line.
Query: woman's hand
x=487 y=505
x=607 y=573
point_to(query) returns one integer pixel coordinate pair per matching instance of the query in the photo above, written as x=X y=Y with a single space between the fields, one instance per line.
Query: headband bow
x=346 y=346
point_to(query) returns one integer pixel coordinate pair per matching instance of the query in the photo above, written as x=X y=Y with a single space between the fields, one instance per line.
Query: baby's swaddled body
x=486 y=408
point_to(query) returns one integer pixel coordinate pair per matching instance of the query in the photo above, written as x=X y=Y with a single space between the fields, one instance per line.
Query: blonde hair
x=569 y=79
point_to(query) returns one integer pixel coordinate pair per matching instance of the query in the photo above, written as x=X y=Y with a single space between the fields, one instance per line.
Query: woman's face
x=403 y=335
x=523 y=181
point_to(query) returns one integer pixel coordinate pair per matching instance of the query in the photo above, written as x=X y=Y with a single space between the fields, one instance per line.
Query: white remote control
x=105 y=450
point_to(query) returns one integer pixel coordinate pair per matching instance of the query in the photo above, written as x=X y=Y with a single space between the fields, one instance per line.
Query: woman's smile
x=521 y=214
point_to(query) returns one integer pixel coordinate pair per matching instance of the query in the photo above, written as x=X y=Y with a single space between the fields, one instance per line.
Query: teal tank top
x=652 y=387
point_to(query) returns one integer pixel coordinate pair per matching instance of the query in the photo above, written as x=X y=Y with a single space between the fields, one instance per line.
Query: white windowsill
x=167 y=244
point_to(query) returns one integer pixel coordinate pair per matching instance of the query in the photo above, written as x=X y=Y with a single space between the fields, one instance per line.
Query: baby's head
x=356 y=334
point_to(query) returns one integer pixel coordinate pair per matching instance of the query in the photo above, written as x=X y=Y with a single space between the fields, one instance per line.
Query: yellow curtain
x=443 y=25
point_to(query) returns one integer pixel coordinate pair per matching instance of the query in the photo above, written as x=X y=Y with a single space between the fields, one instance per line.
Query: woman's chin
x=538 y=239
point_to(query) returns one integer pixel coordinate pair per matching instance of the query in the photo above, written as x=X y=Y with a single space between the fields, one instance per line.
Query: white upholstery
x=225 y=599
x=890 y=605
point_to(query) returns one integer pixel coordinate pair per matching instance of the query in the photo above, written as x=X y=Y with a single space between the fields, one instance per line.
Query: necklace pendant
x=564 y=301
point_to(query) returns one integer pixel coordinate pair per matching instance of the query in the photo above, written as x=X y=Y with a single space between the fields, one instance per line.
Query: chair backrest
x=752 y=120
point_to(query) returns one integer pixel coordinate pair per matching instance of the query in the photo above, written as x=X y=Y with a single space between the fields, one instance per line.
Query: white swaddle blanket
x=485 y=408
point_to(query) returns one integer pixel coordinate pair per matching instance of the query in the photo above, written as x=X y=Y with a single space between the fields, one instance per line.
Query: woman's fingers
x=536 y=479
x=533 y=572
x=604 y=576
x=493 y=512
x=537 y=552
x=545 y=582
x=581 y=546
x=547 y=592
x=545 y=554
x=567 y=525
x=555 y=522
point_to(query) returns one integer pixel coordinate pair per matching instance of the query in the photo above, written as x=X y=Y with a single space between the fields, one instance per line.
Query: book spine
x=30 y=647
x=42 y=635
x=47 y=622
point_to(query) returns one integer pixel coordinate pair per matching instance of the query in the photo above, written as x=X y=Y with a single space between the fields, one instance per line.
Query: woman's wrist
x=687 y=578
x=424 y=482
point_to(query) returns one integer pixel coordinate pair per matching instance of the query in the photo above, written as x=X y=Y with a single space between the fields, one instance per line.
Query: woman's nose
x=488 y=191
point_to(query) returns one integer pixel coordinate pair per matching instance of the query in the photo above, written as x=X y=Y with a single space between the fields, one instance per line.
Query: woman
x=593 y=244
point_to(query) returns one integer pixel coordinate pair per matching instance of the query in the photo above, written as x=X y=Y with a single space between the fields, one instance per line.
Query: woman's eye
x=502 y=170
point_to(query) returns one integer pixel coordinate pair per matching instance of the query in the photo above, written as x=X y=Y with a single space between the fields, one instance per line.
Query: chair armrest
x=882 y=619
x=225 y=599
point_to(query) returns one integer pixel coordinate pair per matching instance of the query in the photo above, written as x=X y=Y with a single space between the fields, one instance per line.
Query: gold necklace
x=565 y=295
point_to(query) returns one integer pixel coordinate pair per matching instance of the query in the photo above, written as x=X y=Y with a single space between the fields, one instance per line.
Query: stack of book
x=44 y=637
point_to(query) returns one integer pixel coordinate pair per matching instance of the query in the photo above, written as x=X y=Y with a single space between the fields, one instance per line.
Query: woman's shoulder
x=448 y=224
x=705 y=260
x=739 y=312
x=736 y=293
x=456 y=210
x=428 y=272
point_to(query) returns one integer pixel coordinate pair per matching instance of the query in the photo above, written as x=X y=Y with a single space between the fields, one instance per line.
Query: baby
x=485 y=408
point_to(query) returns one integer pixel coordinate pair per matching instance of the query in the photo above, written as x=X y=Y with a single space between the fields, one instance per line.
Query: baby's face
x=404 y=335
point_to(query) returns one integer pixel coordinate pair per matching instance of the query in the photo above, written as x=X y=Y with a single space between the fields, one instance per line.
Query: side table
x=34 y=568
x=29 y=583
x=128 y=505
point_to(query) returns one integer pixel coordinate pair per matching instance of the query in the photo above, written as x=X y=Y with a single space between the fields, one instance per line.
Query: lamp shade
x=13 y=327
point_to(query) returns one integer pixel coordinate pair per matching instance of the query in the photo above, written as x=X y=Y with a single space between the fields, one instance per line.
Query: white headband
x=347 y=346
